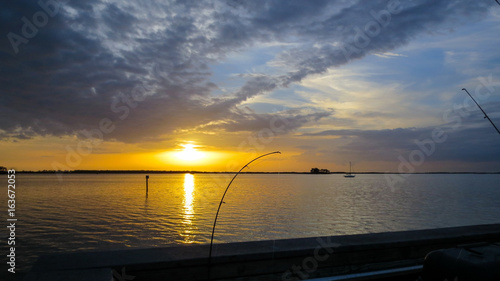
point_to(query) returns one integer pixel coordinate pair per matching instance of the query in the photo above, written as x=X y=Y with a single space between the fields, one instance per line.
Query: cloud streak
x=93 y=54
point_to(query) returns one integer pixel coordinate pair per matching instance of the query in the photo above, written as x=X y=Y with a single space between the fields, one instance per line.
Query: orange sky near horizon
x=22 y=156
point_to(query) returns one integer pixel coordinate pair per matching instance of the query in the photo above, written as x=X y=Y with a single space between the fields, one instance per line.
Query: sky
x=210 y=85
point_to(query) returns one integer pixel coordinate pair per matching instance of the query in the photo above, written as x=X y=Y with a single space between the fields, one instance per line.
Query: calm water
x=105 y=211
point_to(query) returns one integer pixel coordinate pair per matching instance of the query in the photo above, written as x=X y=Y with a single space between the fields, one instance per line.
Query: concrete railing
x=286 y=259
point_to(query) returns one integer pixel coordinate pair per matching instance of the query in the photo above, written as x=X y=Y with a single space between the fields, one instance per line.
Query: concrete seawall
x=286 y=259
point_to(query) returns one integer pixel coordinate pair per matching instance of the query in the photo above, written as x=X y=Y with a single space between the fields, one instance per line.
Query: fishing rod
x=485 y=115
x=220 y=204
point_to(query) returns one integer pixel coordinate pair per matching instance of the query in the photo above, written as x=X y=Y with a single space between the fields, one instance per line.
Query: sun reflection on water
x=188 y=210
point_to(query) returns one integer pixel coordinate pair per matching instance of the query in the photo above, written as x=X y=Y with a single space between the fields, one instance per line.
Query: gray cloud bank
x=469 y=144
x=145 y=65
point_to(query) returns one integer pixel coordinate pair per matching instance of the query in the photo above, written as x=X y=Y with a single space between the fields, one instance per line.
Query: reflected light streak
x=188 y=210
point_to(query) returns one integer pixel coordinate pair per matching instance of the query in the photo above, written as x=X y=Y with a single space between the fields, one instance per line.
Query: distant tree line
x=319 y=171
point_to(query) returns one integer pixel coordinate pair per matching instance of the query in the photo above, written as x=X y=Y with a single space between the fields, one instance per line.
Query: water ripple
x=102 y=212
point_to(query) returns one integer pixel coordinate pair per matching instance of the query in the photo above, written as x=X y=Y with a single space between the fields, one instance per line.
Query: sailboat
x=349 y=175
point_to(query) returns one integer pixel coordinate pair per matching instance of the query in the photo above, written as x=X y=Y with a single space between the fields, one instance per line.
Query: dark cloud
x=464 y=143
x=368 y=27
x=279 y=123
x=83 y=65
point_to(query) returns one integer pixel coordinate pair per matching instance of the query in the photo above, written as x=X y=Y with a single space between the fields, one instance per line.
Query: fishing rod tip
x=463 y=89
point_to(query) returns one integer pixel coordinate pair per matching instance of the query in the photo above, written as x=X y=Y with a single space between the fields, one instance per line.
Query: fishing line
x=275 y=206
x=220 y=205
x=485 y=115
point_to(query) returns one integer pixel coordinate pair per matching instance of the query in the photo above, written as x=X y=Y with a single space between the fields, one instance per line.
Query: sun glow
x=189 y=153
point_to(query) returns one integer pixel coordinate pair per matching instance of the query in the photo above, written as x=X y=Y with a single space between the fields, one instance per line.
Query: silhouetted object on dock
x=485 y=115
x=147 y=179
x=220 y=204
x=465 y=263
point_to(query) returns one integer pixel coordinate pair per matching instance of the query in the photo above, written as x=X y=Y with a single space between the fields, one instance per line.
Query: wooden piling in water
x=147 y=179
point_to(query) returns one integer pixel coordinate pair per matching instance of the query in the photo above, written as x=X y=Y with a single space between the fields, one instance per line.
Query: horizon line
x=228 y=172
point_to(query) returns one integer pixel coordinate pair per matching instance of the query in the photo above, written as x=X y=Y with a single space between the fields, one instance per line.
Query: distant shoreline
x=205 y=172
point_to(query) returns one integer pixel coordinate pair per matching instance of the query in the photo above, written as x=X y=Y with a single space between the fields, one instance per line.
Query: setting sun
x=189 y=153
